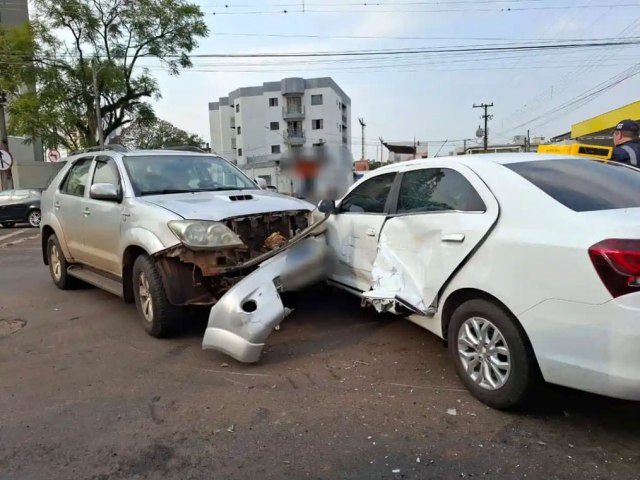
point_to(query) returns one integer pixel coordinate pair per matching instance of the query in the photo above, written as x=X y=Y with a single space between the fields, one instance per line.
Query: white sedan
x=528 y=265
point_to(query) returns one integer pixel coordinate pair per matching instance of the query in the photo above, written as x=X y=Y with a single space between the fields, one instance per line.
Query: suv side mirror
x=327 y=206
x=104 y=191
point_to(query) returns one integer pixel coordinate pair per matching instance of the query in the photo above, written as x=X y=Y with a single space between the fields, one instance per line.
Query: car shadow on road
x=555 y=401
x=323 y=319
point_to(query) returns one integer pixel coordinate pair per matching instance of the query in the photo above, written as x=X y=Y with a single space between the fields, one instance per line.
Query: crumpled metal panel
x=242 y=320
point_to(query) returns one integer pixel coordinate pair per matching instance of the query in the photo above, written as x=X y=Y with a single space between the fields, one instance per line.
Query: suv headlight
x=204 y=234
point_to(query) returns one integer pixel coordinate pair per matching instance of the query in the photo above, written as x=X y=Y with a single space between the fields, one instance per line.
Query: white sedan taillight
x=617 y=262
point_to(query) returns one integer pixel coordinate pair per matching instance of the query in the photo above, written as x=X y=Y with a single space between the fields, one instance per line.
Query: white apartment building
x=254 y=126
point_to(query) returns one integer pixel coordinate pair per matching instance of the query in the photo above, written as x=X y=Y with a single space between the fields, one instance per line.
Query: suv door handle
x=453 y=238
x=370 y=232
x=56 y=205
x=86 y=212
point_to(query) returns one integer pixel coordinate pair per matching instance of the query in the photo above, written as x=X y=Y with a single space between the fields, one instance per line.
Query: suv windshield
x=584 y=185
x=162 y=174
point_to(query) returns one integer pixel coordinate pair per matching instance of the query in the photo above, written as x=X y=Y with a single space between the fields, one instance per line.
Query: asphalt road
x=341 y=393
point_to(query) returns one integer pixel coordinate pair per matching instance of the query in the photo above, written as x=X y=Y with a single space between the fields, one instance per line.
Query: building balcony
x=232 y=122
x=293 y=112
x=295 y=137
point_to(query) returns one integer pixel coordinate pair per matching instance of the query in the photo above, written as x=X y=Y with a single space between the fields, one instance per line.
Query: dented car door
x=441 y=215
x=353 y=231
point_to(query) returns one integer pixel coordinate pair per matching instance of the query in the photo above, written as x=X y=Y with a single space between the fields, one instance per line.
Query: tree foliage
x=72 y=39
x=157 y=133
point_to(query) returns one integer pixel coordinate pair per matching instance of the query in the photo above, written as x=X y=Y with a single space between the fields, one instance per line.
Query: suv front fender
x=143 y=238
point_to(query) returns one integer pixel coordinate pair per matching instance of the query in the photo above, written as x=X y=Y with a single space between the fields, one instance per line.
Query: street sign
x=53 y=155
x=6 y=160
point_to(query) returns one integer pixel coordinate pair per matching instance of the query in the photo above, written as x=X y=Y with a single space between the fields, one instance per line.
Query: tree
x=72 y=39
x=157 y=133
x=373 y=164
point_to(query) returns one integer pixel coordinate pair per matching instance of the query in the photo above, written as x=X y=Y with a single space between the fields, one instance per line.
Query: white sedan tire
x=492 y=354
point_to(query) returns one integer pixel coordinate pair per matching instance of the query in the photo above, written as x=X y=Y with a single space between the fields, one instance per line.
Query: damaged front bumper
x=241 y=321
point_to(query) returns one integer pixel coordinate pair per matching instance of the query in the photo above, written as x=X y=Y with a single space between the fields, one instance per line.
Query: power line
x=297 y=10
x=586 y=96
x=414 y=51
x=568 y=80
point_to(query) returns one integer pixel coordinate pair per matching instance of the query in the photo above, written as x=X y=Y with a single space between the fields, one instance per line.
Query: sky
x=428 y=97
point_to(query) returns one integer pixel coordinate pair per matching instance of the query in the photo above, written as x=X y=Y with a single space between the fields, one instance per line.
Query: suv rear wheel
x=159 y=317
x=491 y=354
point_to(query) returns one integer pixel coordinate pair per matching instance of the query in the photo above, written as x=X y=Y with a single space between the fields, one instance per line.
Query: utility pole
x=528 y=149
x=363 y=125
x=486 y=117
x=96 y=101
x=4 y=142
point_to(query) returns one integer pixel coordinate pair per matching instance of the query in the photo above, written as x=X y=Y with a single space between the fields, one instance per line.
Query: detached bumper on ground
x=243 y=319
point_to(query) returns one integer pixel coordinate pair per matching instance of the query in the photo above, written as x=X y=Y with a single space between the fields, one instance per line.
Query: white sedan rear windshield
x=584 y=185
x=161 y=174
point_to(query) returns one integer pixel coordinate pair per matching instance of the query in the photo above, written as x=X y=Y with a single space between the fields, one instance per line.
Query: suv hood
x=217 y=206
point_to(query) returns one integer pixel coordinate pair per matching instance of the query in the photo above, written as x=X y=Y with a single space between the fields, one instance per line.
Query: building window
x=316 y=99
x=274 y=125
x=237 y=107
x=239 y=152
x=273 y=102
x=239 y=131
x=317 y=124
x=275 y=148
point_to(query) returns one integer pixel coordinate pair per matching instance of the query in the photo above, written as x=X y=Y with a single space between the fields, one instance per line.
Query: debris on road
x=231 y=429
x=452 y=411
x=7 y=327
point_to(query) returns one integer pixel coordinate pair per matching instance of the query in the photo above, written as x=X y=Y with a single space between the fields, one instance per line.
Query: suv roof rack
x=185 y=148
x=114 y=147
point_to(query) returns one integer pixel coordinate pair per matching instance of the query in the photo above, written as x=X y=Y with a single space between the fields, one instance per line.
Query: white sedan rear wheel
x=492 y=354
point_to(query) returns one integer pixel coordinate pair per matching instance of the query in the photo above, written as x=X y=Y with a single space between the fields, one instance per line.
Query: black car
x=18 y=206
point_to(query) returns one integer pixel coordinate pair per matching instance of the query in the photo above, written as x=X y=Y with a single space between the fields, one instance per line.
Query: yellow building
x=598 y=130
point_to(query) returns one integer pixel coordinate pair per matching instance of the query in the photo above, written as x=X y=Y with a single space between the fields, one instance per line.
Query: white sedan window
x=437 y=190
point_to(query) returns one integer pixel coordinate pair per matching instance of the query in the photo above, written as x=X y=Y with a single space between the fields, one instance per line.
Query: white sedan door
x=442 y=213
x=353 y=232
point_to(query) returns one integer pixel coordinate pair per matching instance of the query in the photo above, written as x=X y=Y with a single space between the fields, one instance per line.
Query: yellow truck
x=581 y=150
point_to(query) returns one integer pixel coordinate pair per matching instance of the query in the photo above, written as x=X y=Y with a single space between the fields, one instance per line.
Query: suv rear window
x=584 y=185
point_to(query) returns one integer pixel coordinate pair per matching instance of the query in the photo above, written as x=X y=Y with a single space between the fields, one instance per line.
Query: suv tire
x=492 y=355
x=58 y=265
x=159 y=317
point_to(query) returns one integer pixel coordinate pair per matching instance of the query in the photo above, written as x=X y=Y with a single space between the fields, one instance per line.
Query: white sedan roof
x=478 y=159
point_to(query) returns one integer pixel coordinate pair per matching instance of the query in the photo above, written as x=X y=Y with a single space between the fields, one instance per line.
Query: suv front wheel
x=159 y=317
x=58 y=265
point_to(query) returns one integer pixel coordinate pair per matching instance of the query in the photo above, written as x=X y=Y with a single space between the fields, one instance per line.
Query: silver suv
x=164 y=229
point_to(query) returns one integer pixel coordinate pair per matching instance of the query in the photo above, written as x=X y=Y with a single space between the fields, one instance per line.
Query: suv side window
x=106 y=172
x=437 y=190
x=371 y=196
x=76 y=180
